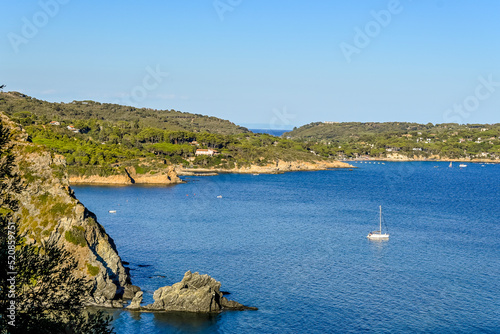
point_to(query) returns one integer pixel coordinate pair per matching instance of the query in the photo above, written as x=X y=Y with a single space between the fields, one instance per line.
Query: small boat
x=378 y=235
x=462 y=165
x=112 y=211
x=220 y=196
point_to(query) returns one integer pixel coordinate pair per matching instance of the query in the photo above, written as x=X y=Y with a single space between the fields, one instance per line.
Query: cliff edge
x=50 y=211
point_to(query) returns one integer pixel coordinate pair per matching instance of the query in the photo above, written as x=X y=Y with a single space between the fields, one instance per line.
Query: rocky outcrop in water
x=135 y=304
x=195 y=293
x=50 y=211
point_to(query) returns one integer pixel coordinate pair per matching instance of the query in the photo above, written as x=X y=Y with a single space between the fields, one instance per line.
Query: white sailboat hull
x=382 y=236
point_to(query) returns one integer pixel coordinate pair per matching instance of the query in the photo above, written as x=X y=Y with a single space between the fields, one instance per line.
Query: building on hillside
x=73 y=129
x=55 y=123
x=206 y=151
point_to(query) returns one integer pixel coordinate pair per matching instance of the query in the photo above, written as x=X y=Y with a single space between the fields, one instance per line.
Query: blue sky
x=269 y=64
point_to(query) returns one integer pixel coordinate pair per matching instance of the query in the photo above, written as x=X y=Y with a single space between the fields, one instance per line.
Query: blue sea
x=273 y=132
x=294 y=245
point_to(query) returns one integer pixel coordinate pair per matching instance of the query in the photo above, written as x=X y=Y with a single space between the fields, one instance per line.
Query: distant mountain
x=23 y=108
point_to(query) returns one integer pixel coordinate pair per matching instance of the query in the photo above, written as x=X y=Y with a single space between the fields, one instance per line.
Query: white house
x=206 y=151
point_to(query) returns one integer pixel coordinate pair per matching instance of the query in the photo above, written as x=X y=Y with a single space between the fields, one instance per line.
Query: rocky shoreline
x=172 y=176
x=272 y=168
x=129 y=177
x=49 y=211
x=406 y=159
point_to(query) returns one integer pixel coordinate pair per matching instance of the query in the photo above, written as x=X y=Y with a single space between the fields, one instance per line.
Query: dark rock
x=195 y=293
x=130 y=291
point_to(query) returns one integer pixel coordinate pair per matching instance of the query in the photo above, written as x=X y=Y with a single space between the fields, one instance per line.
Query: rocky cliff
x=50 y=211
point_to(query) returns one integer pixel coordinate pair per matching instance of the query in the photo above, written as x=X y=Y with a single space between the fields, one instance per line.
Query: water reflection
x=186 y=322
x=161 y=322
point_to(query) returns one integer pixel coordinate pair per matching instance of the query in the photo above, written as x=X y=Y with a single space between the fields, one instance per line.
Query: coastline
x=129 y=176
x=272 y=168
x=401 y=158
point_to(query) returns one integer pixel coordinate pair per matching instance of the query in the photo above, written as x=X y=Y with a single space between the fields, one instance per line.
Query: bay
x=294 y=245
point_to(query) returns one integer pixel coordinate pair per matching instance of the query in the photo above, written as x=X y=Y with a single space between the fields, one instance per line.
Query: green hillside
x=103 y=139
x=27 y=110
x=355 y=139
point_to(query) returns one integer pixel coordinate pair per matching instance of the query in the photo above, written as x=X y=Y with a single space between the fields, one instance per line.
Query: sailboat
x=451 y=164
x=378 y=235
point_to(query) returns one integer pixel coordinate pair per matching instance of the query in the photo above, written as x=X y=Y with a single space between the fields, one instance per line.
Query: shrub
x=76 y=236
x=92 y=270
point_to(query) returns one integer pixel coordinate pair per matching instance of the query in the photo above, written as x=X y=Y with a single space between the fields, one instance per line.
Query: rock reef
x=195 y=293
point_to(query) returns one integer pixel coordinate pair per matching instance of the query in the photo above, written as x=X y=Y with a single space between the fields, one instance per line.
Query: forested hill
x=445 y=141
x=105 y=139
x=345 y=131
x=26 y=110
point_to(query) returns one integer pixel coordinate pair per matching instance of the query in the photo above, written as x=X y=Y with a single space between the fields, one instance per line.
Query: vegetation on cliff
x=39 y=292
x=353 y=139
x=49 y=211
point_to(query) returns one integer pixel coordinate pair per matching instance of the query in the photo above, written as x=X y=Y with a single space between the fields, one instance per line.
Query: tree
x=2 y=86
x=38 y=290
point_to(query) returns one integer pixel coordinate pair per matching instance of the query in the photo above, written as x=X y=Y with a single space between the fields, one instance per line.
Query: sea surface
x=294 y=245
x=273 y=132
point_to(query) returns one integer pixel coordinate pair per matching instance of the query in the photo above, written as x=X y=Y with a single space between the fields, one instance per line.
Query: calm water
x=273 y=132
x=295 y=246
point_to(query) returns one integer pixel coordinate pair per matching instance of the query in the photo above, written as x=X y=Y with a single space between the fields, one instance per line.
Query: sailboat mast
x=380 y=220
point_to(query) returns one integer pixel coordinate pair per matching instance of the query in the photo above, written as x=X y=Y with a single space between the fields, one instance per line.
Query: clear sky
x=261 y=63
